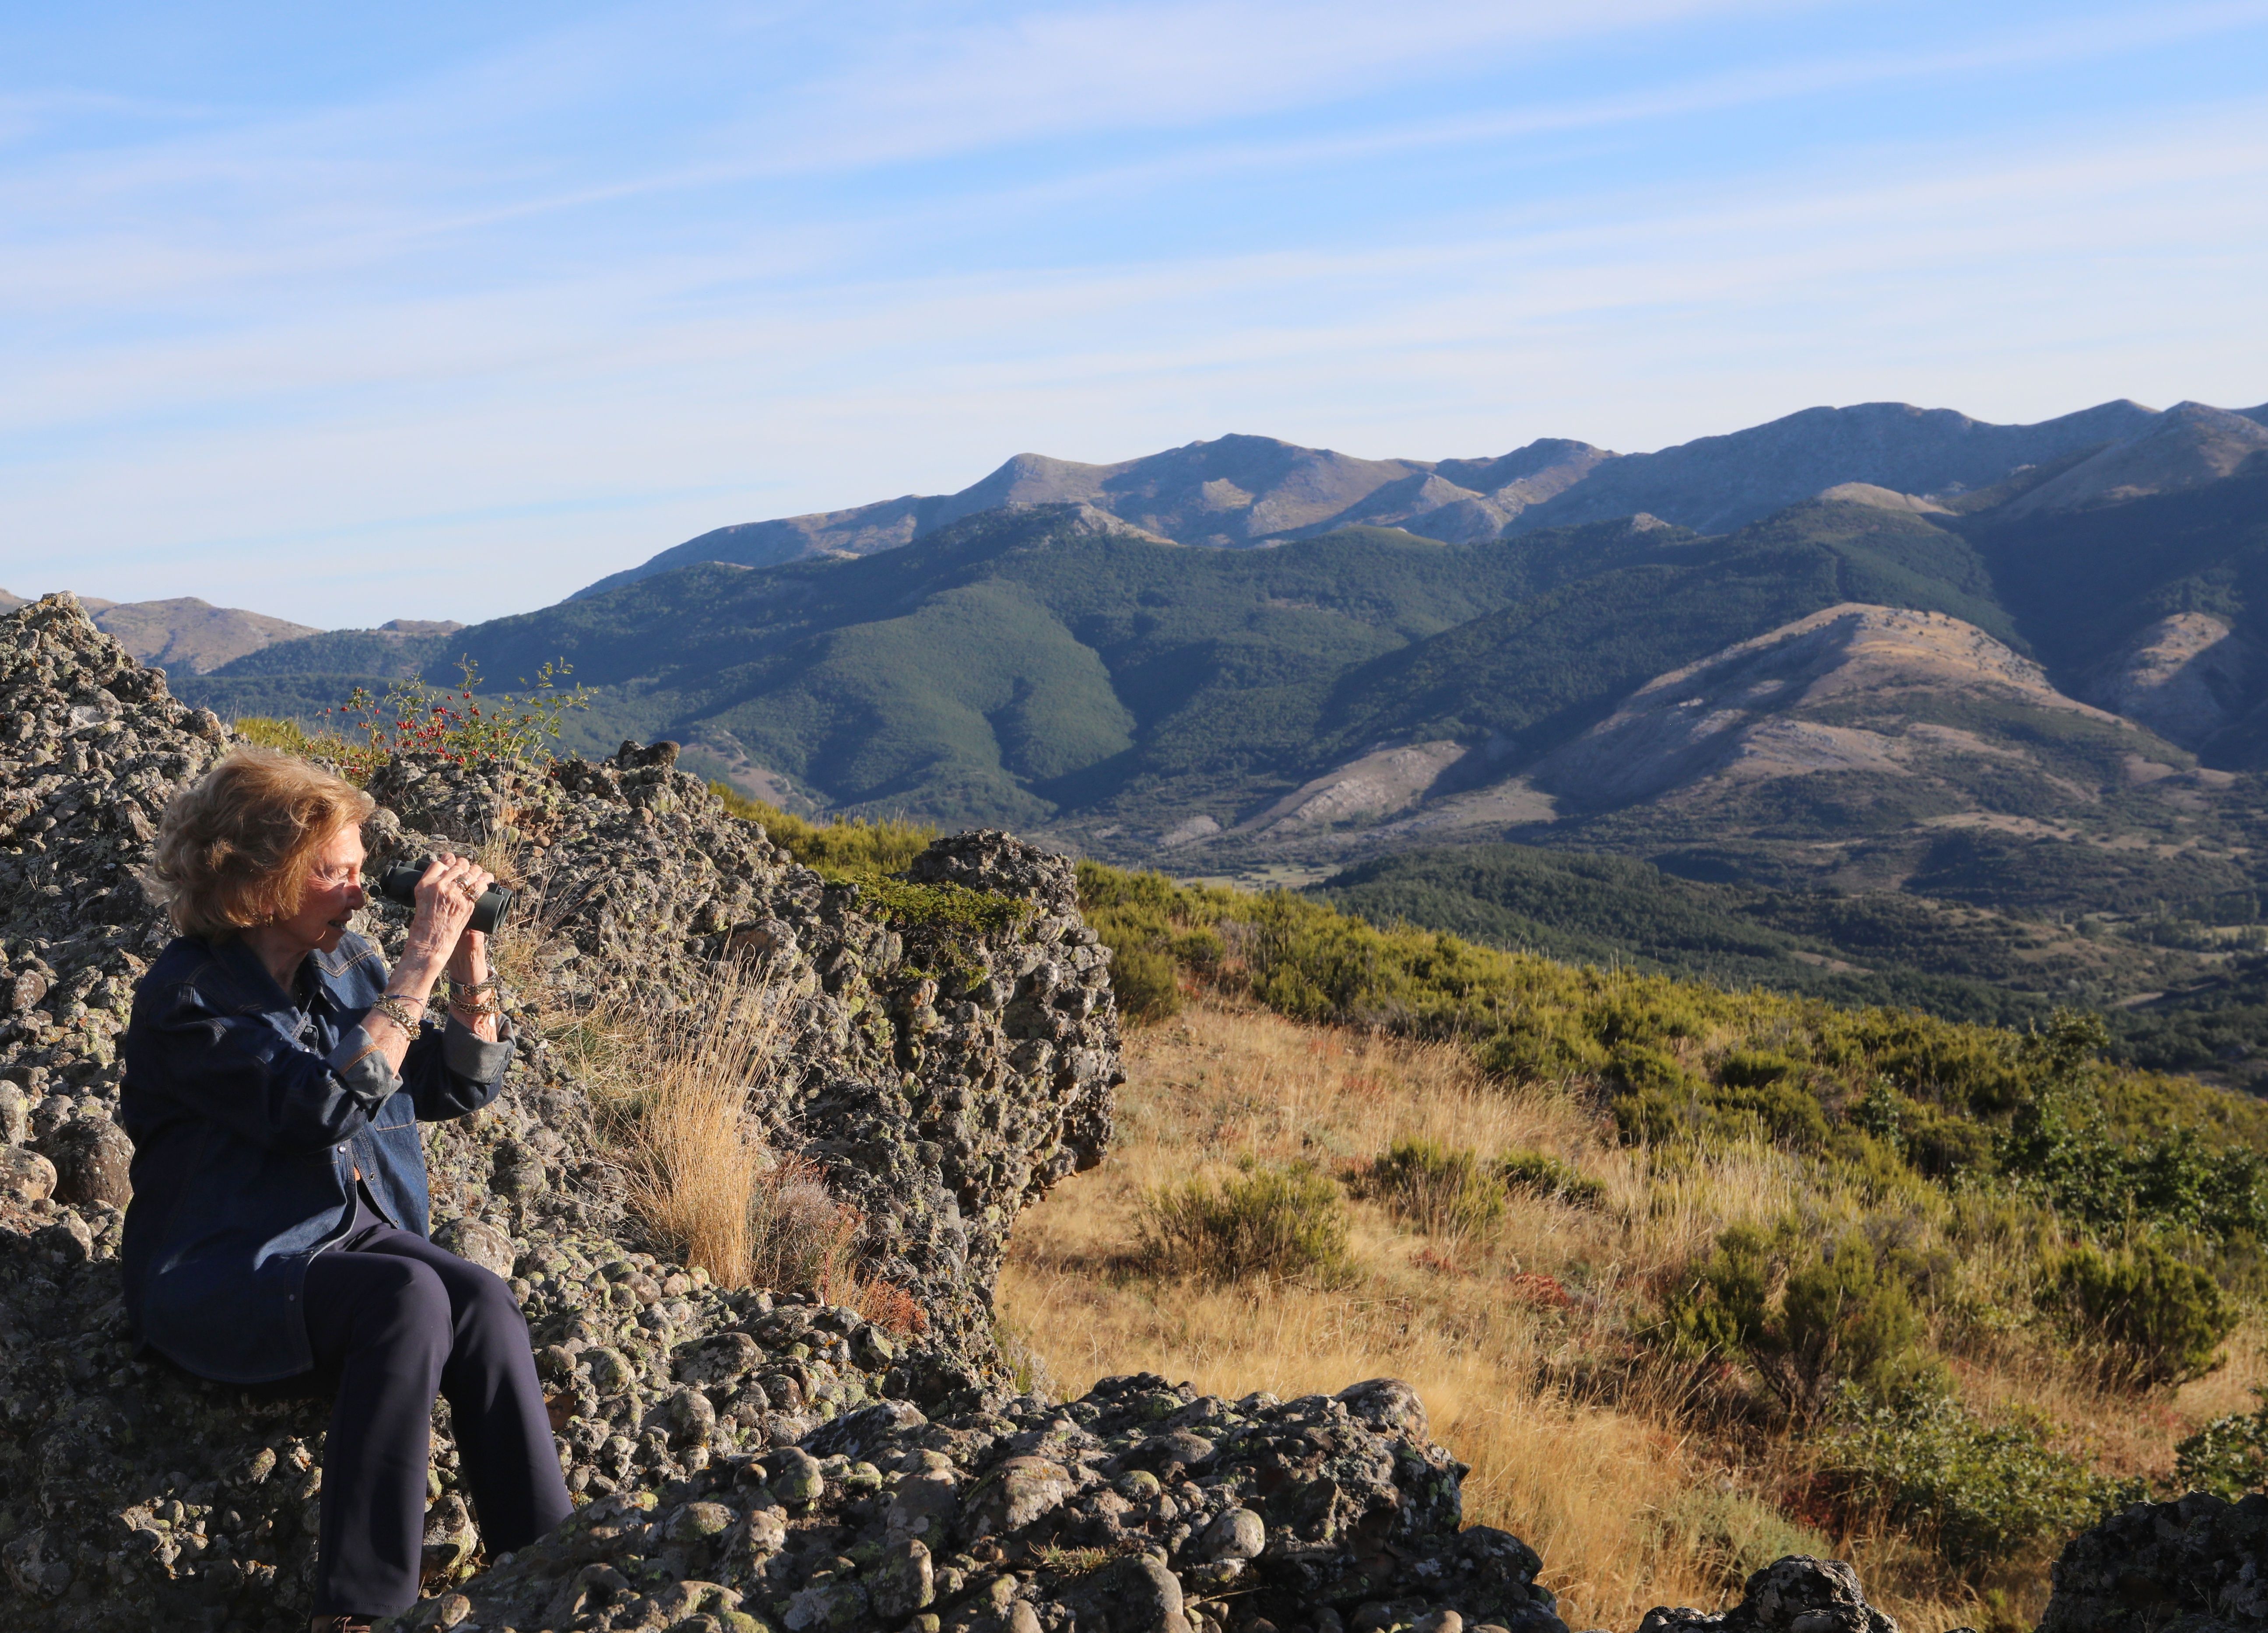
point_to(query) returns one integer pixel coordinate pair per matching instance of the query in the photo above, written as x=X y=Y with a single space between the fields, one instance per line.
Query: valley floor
x=1626 y=1471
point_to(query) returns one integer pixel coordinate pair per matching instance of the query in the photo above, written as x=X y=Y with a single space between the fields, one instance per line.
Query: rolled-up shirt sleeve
x=470 y=1056
x=362 y=1068
x=451 y=1070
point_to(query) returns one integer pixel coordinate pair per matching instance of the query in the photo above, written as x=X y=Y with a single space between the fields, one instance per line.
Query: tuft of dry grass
x=1524 y=1337
x=674 y=1077
x=701 y=1174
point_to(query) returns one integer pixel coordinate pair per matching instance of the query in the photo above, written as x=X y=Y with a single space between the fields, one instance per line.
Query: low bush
x=1987 y=1491
x=1540 y=1173
x=1844 y=1317
x=1147 y=982
x=1285 y=1223
x=2229 y=1457
x=1443 y=1190
x=850 y=848
x=2155 y=1319
x=264 y=732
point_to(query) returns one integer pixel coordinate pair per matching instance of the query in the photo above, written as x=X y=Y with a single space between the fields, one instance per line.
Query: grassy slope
x=1292 y=1034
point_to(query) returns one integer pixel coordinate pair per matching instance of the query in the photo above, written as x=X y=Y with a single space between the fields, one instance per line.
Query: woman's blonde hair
x=234 y=849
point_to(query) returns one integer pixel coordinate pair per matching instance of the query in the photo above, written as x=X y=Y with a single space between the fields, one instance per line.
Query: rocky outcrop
x=1792 y=1595
x=949 y=1050
x=744 y=1460
x=2198 y=1565
x=1141 y=1507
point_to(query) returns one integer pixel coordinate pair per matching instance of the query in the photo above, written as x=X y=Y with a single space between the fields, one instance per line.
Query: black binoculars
x=400 y=884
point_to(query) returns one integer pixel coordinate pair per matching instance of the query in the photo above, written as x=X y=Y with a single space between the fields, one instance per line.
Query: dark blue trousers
x=397 y=1320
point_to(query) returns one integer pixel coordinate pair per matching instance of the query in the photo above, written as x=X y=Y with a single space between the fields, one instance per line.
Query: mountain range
x=2016 y=671
x=1241 y=492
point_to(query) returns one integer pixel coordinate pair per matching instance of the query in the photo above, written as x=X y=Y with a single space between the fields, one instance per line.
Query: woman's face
x=333 y=893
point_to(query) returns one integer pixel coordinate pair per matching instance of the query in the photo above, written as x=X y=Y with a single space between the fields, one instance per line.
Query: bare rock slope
x=1767 y=707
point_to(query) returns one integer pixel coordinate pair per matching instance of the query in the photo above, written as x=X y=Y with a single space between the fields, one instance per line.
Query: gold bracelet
x=475 y=998
x=395 y=1007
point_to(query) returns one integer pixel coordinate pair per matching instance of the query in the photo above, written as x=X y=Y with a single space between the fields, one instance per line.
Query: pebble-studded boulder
x=2196 y=1565
x=951 y=1047
x=742 y=1460
x=1797 y=1594
x=1140 y=1508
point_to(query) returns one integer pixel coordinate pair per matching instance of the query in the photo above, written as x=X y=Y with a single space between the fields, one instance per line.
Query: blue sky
x=425 y=311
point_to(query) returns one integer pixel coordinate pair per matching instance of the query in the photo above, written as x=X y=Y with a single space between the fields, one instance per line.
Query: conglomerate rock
x=742 y=1460
x=1791 y=1595
x=2198 y=1565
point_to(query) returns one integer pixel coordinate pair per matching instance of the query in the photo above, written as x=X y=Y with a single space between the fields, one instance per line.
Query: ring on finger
x=472 y=891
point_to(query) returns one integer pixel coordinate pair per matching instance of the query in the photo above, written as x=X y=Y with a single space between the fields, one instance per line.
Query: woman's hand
x=445 y=898
x=440 y=938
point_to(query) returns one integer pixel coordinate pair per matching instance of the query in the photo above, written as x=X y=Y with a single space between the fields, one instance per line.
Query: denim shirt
x=250 y=1110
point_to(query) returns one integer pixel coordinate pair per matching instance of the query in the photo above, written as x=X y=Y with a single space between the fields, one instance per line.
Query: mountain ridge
x=1239 y=490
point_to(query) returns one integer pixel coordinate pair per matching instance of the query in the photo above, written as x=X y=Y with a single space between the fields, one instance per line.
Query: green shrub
x=1986 y=1491
x=1726 y=1309
x=1841 y=1317
x=1280 y=1224
x=1147 y=983
x=1542 y=1175
x=1844 y=1316
x=1444 y=1190
x=2229 y=1457
x=1656 y=1098
x=2155 y=1320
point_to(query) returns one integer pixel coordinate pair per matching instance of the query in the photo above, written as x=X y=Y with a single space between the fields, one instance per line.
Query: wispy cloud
x=468 y=337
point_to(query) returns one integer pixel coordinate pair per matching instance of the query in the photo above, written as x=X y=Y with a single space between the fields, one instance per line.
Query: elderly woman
x=275 y=1074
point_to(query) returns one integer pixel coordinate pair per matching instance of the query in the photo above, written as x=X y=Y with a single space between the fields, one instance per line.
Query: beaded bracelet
x=395 y=1007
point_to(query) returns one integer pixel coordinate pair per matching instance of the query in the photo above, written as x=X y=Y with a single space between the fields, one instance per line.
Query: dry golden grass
x=1519 y=1339
x=672 y=1076
x=700 y=1167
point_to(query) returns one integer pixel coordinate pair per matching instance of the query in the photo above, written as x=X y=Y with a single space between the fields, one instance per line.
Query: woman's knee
x=484 y=1305
x=411 y=1303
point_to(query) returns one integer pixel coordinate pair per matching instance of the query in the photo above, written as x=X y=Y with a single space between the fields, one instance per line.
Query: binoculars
x=400 y=884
